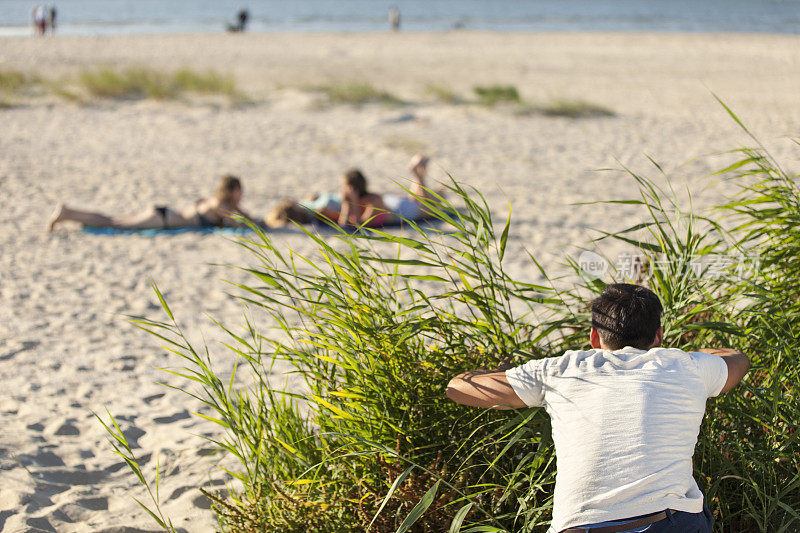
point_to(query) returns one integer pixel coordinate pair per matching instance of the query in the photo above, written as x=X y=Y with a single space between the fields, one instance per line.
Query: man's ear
x=594 y=339
x=659 y=338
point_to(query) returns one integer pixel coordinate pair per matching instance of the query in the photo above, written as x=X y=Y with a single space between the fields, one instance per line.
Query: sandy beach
x=66 y=348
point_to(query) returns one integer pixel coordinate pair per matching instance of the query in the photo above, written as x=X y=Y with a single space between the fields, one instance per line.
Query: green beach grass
x=375 y=446
x=443 y=94
x=12 y=81
x=573 y=109
x=147 y=83
x=492 y=95
x=133 y=83
x=13 y=85
x=356 y=93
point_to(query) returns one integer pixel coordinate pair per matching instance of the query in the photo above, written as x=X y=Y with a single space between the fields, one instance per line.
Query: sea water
x=105 y=17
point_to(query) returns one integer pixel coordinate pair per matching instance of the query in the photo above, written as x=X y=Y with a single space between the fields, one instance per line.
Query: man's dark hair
x=626 y=315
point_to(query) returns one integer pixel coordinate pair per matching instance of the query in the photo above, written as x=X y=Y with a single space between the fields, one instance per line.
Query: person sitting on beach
x=361 y=206
x=625 y=418
x=216 y=211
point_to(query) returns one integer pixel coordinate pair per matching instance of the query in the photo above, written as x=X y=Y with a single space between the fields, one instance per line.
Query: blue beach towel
x=172 y=231
x=207 y=230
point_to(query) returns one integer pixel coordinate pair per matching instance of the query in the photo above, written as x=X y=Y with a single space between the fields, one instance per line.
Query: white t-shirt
x=625 y=424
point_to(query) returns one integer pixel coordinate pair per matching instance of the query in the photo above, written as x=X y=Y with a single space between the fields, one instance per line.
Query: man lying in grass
x=625 y=418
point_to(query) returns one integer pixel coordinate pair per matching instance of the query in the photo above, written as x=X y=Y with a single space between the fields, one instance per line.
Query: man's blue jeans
x=676 y=522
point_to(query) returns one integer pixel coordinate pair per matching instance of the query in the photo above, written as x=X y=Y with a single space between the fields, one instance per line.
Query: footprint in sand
x=126 y=363
x=66 y=477
x=93 y=504
x=150 y=399
x=202 y=501
x=133 y=434
x=81 y=510
x=63 y=428
x=205 y=452
x=39 y=524
x=4 y=515
x=67 y=429
x=181 y=415
x=18 y=348
x=177 y=493
x=41 y=458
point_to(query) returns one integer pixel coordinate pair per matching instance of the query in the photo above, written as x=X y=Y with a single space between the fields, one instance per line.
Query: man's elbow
x=746 y=362
x=742 y=362
x=738 y=366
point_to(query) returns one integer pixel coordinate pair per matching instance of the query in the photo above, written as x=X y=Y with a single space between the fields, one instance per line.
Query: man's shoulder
x=625 y=359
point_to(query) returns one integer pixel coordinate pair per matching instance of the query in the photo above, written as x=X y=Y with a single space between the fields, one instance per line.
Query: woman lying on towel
x=218 y=210
x=355 y=205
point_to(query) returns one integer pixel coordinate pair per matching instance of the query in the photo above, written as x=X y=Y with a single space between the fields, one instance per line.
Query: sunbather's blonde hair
x=285 y=212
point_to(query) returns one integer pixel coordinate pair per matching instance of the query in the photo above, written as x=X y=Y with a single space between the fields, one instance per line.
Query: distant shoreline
x=13 y=32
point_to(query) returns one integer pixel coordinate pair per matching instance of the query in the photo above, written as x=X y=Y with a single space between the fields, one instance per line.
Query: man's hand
x=738 y=365
x=488 y=389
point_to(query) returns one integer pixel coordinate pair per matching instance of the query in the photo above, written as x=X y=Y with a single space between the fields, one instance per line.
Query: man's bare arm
x=738 y=365
x=484 y=388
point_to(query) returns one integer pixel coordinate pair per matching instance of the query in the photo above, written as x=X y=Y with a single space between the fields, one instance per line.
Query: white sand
x=65 y=347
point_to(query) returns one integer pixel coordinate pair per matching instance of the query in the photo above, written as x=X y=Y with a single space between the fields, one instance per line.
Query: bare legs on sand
x=149 y=219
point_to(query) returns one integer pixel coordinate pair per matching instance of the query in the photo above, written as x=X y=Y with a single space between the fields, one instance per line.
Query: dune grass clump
x=443 y=94
x=131 y=83
x=13 y=84
x=492 y=95
x=134 y=83
x=145 y=83
x=209 y=82
x=356 y=93
x=574 y=109
x=377 y=323
x=12 y=81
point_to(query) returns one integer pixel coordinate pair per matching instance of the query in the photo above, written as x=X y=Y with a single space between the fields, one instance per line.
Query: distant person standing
x=39 y=20
x=394 y=18
x=52 y=16
x=241 y=20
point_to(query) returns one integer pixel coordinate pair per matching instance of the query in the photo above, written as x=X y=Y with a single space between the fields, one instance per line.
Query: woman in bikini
x=217 y=210
x=360 y=207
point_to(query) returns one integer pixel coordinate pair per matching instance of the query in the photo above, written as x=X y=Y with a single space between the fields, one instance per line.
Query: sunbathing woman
x=360 y=205
x=217 y=210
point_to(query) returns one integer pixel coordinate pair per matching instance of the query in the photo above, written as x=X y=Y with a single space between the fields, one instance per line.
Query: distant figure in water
x=39 y=16
x=241 y=20
x=216 y=211
x=52 y=13
x=394 y=18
